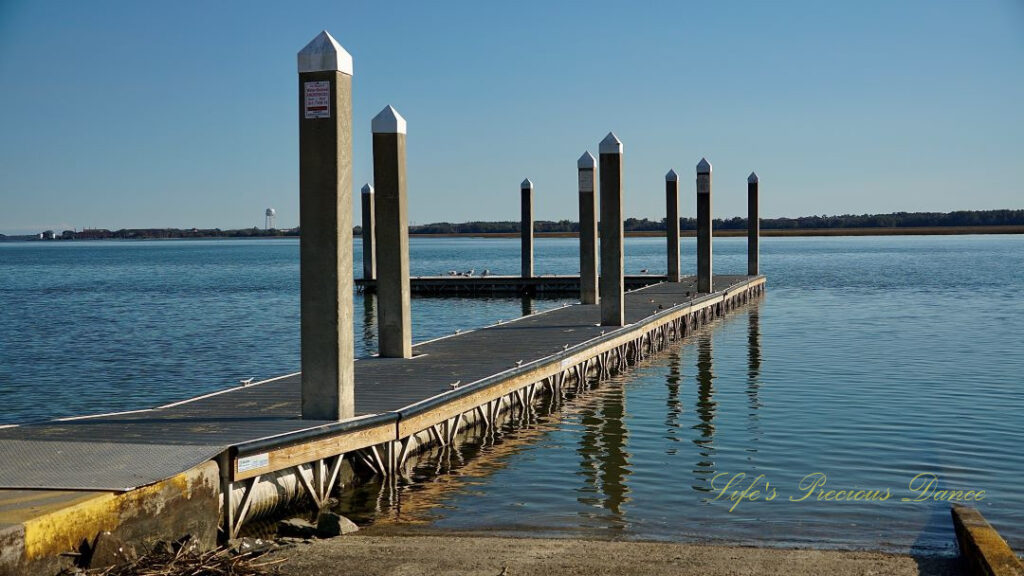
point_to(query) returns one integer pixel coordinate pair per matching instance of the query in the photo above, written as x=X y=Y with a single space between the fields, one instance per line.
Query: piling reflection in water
x=753 y=369
x=604 y=461
x=705 y=411
x=528 y=307
x=673 y=404
x=369 y=320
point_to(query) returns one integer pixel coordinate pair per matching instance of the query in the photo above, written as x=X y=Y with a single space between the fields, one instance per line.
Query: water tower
x=271 y=215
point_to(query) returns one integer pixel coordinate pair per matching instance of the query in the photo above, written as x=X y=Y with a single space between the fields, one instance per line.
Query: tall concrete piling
x=526 y=226
x=753 y=226
x=704 y=226
x=672 y=224
x=588 y=229
x=325 y=216
x=394 y=318
x=612 y=281
x=369 y=242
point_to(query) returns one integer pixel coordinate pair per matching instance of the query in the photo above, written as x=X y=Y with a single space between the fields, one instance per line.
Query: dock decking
x=126 y=450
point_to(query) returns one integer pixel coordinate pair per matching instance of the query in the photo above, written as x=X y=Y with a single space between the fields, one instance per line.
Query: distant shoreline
x=721 y=233
x=771 y=232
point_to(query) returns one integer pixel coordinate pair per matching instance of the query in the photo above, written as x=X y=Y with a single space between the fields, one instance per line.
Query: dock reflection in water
x=634 y=456
x=529 y=461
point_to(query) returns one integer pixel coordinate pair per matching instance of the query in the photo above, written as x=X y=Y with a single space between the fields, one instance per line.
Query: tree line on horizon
x=962 y=218
x=892 y=220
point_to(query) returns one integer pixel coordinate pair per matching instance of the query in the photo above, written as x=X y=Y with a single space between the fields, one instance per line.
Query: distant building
x=47 y=235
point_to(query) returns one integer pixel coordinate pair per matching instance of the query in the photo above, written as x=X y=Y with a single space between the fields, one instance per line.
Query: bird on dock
x=246 y=381
x=487 y=272
x=455 y=384
x=453 y=273
x=644 y=271
x=470 y=272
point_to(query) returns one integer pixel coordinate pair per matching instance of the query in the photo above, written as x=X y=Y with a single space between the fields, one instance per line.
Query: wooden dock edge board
x=982 y=548
x=294 y=451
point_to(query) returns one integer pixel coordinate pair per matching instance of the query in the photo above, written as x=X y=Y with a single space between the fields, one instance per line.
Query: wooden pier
x=254 y=439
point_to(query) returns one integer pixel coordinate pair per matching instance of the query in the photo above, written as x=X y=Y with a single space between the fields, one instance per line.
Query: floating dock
x=206 y=465
x=544 y=285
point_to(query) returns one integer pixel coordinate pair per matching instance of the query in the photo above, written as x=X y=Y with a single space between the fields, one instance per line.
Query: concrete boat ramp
x=206 y=465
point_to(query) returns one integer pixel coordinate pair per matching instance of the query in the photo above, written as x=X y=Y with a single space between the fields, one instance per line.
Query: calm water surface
x=869 y=361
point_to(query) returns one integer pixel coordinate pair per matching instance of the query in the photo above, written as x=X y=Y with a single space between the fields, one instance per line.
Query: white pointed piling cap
x=324 y=54
x=526 y=185
x=586 y=161
x=671 y=176
x=389 y=121
x=611 y=144
x=367 y=189
x=703 y=167
x=752 y=179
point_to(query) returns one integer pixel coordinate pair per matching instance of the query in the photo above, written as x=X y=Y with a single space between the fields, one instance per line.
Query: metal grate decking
x=123 y=451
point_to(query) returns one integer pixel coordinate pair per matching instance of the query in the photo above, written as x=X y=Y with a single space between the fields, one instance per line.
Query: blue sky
x=142 y=114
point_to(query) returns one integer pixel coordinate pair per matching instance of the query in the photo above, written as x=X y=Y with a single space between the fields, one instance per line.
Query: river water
x=875 y=366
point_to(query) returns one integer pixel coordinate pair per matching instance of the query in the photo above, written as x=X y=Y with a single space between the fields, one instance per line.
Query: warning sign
x=317 y=99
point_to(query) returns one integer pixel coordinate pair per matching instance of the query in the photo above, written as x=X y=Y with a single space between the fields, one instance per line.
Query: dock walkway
x=126 y=450
x=207 y=465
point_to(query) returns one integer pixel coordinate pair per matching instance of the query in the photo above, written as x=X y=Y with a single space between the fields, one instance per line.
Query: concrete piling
x=704 y=234
x=672 y=223
x=753 y=226
x=612 y=281
x=394 y=318
x=369 y=242
x=526 y=227
x=588 y=229
x=325 y=247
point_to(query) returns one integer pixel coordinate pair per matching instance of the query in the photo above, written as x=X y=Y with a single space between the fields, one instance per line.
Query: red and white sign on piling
x=317 y=99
